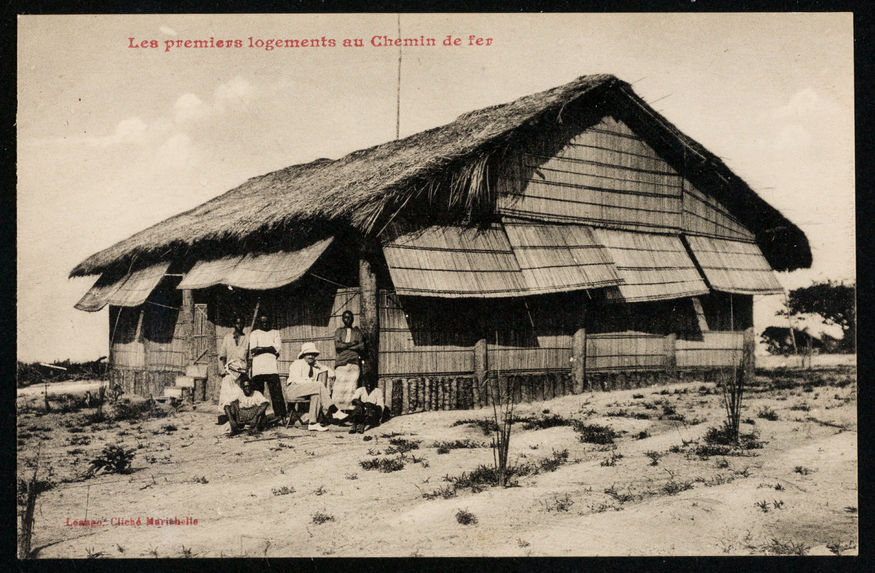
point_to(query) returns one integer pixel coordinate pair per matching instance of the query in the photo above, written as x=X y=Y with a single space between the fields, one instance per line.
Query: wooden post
x=369 y=320
x=187 y=316
x=578 y=354
x=671 y=360
x=748 y=363
x=481 y=369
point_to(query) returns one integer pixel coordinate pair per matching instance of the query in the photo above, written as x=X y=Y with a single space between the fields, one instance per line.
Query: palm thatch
x=437 y=176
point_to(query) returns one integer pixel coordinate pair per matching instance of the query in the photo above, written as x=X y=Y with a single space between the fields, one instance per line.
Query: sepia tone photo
x=433 y=285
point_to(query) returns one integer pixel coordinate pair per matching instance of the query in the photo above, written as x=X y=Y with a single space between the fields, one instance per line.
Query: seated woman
x=367 y=407
x=308 y=378
x=234 y=371
x=349 y=346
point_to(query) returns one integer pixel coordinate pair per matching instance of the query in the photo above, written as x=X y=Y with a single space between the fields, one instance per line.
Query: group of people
x=250 y=365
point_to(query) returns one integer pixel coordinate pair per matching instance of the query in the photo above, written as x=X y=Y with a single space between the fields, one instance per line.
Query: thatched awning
x=255 y=271
x=734 y=266
x=437 y=176
x=653 y=266
x=560 y=257
x=130 y=290
x=455 y=262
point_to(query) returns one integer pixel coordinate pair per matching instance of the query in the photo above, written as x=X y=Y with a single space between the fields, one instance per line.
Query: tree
x=833 y=302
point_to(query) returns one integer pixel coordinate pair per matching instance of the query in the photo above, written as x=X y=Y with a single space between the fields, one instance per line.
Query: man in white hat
x=308 y=378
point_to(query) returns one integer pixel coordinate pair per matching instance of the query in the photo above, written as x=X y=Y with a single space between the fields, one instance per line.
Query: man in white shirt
x=308 y=378
x=247 y=406
x=264 y=349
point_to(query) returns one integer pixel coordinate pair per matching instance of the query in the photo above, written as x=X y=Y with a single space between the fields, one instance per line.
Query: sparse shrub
x=554 y=461
x=401 y=445
x=641 y=416
x=779 y=487
x=320 y=490
x=676 y=448
x=654 y=456
x=558 y=503
x=722 y=463
x=285 y=490
x=486 y=426
x=612 y=460
x=803 y=406
x=385 y=465
x=778 y=547
x=621 y=497
x=542 y=423
x=673 y=487
x=444 y=447
x=465 y=517
x=351 y=476
x=778 y=504
x=593 y=433
x=445 y=492
x=836 y=548
x=113 y=459
x=201 y=480
x=319 y=518
x=80 y=440
x=763 y=505
x=802 y=470
x=642 y=435
x=637 y=396
x=767 y=413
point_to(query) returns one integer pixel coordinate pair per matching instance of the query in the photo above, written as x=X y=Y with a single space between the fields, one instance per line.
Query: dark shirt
x=348 y=352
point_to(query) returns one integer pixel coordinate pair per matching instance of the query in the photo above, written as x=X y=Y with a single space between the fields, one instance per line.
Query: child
x=368 y=406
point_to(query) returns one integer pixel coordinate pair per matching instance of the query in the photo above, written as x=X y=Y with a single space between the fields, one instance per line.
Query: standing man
x=235 y=345
x=264 y=349
x=348 y=345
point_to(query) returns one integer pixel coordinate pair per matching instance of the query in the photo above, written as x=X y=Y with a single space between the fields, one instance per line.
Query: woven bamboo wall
x=165 y=331
x=604 y=175
x=718 y=349
x=126 y=343
x=625 y=351
x=704 y=215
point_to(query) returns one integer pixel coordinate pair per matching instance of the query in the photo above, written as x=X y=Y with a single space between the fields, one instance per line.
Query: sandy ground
x=804 y=479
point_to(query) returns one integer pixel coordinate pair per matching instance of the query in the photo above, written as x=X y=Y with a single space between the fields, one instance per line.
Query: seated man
x=248 y=407
x=368 y=407
x=308 y=378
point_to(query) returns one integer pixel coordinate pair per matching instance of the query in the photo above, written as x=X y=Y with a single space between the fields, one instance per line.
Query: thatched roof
x=442 y=168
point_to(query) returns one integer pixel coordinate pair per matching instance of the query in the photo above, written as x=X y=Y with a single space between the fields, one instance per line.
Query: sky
x=112 y=138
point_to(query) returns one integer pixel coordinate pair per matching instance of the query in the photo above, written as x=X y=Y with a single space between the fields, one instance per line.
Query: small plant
x=673 y=487
x=802 y=470
x=444 y=492
x=621 y=497
x=558 y=503
x=201 y=479
x=444 y=447
x=642 y=435
x=763 y=505
x=400 y=445
x=351 y=476
x=554 y=461
x=778 y=547
x=522 y=543
x=385 y=465
x=319 y=518
x=654 y=456
x=80 y=440
x=319 y=490
x=186 y=552
x=778 y=504
x=637 y=396
x=836 y=548
x=593 y=433
x=612 y=460
x=92 y=554
x=803 y=406
x=722 y=463
x=779 y=487
x=766 y=413
x=113 y=459
x=285 y=490
x=465 y=517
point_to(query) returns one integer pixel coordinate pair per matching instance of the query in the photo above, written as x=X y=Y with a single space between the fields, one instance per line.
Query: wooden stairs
x=190 y=386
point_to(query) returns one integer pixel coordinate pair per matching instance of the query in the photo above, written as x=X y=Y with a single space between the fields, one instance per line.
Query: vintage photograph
x=434 y=285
